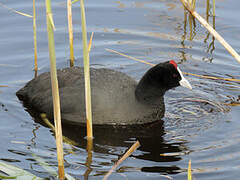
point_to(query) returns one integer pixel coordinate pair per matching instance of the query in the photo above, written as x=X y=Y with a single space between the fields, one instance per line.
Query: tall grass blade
x=86 y=73
x=35 y=37
x=125 y=156
x=55 y=91
x=70 y=31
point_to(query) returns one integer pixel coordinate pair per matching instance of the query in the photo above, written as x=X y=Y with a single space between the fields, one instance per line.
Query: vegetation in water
x=12 y=172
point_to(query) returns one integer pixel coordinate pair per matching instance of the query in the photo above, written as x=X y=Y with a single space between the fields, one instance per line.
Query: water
x=197 y=125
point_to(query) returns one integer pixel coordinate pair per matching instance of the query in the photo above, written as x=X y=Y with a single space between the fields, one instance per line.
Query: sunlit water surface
x=198 y=124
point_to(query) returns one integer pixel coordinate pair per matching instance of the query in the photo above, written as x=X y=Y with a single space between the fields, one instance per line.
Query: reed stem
x=35 y=37
x=207 y=7
x=86 y=73
x=70 y=31
x=190 y=18
x=194 y=4
x=125 y=156
x=212 y=31
x=15 y=11
x=151 y=64
x=55 y=91
x=189 y=170
x=214 y=8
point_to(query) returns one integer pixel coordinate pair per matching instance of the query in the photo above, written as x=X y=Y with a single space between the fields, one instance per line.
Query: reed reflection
x=153 y=146
x=190 y=21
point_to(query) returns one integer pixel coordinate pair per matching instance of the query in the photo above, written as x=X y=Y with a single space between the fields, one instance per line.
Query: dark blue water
x=198 y=124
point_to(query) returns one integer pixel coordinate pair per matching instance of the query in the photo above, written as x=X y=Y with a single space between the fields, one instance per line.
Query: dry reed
x=207 y=9
x=70 y=31
x=15 y=11
x=151 y=64
x=189 y=170
x=211 y=30
x=125 y=156
x=55 y=91
x=86 y=73
x=35 y=38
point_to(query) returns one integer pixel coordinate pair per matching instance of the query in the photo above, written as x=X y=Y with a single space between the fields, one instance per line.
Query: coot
x=117 y=99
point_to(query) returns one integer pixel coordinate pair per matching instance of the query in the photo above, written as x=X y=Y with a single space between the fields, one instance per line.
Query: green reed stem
x=86 y=73
x=55 y=91
x=214 y=8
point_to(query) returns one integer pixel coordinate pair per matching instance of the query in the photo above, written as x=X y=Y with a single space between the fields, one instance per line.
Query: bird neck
x=149 y=92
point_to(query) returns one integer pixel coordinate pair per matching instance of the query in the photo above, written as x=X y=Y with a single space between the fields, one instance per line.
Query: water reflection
x=189 y=21
x=34 y=135
x=211 y=46
x=153 y=146
x=88 y=163
x=110 y=139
